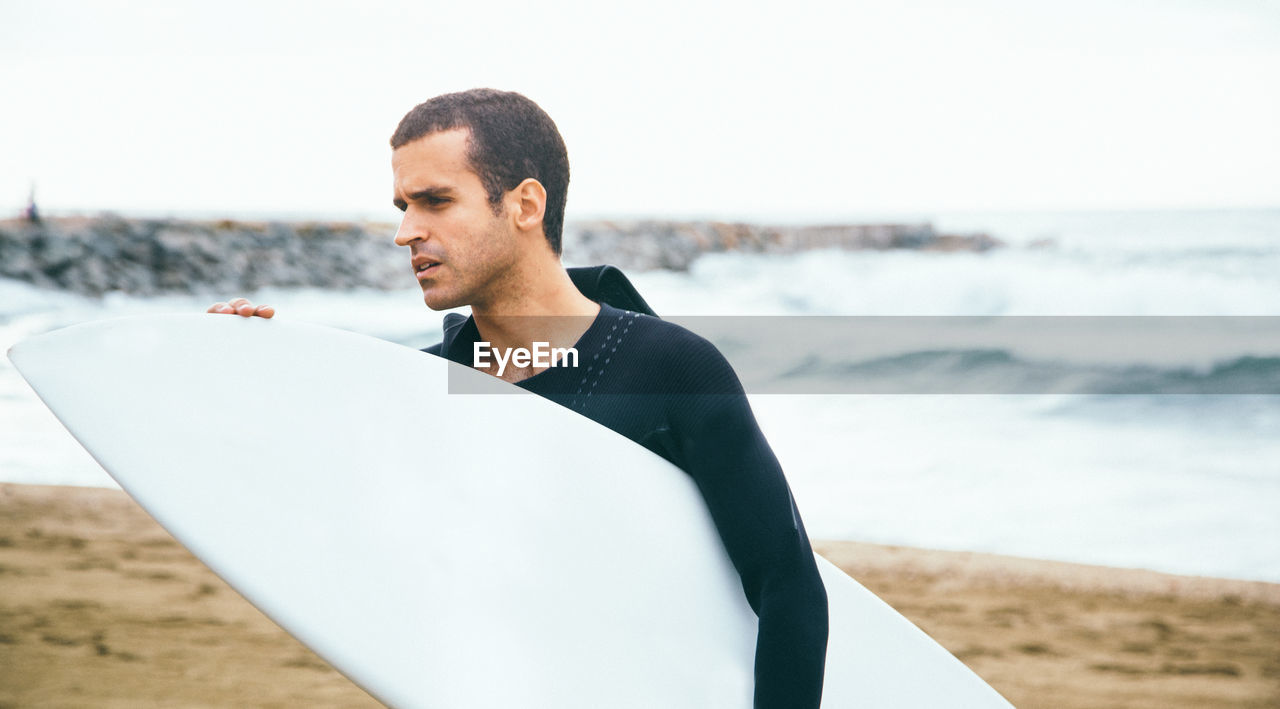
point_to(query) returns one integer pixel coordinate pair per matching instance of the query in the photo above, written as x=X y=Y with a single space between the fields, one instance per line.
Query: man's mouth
x=425 y=267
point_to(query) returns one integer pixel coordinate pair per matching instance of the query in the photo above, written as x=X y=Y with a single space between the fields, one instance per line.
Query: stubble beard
x=480 y=278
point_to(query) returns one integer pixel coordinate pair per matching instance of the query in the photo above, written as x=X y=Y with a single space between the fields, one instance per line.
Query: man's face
x=460 y=250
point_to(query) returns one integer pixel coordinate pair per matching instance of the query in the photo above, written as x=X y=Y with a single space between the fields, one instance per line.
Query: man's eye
x=436 y=201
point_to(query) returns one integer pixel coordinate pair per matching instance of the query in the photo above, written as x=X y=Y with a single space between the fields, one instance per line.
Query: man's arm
x=730 y=461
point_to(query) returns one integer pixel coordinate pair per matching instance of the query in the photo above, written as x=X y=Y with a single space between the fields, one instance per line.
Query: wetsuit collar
x=604 y=284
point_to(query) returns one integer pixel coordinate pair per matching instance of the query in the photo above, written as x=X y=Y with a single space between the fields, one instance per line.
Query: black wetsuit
x=672 y=392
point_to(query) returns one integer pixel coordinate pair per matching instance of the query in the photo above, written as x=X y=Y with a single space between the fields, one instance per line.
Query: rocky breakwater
x=96 y=255
x=146 y=256
x=644 y=245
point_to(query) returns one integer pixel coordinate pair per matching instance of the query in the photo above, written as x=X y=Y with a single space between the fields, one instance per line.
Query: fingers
x=243 y=308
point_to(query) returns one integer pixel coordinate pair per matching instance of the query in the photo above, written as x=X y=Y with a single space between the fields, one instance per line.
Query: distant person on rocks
x=31 y=214
x=482 y=178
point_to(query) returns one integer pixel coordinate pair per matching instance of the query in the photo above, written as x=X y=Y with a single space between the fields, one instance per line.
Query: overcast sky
x=780 y=110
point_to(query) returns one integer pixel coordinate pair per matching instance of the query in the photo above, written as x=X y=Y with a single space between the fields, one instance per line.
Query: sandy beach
x=99 y=607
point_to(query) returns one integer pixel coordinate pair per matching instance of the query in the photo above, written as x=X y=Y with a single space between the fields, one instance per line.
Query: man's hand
x=242 y=307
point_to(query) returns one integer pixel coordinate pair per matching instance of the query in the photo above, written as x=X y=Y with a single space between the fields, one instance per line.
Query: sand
x=99 y=607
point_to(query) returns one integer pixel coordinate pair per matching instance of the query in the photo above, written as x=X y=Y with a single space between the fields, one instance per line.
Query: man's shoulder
x=451 y=329
x=667 y=349
x=671 y=337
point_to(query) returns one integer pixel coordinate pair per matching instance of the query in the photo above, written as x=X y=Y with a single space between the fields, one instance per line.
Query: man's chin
x=442 y=301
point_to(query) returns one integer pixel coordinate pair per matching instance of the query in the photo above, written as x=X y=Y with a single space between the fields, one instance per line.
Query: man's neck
x=547 y=308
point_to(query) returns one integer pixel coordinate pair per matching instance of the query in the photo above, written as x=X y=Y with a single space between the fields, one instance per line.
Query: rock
x=648 y=245
x=109 y=253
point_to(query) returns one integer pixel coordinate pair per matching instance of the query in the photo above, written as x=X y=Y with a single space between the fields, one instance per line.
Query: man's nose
x=409 y=232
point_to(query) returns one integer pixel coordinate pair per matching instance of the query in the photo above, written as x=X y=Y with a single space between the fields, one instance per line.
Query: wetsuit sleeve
x=731 y=463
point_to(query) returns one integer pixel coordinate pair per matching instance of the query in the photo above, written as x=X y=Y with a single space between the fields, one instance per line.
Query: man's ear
x=529 y=204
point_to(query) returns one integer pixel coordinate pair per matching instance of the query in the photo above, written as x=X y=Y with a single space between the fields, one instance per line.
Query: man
x=482 y=179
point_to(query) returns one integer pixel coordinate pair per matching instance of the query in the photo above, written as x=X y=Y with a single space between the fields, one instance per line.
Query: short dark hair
x=512 y=139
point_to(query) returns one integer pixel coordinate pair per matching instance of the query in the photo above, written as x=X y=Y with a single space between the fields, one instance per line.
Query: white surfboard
x=458 y=551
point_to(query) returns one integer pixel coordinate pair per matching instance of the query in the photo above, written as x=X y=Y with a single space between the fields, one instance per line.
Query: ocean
x=1178 y=472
